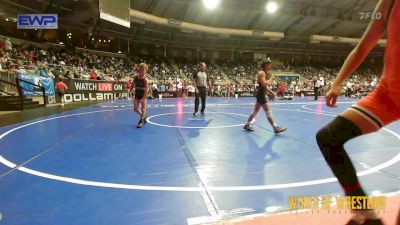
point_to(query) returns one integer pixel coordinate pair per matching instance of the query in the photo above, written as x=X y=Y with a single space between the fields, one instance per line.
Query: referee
x=200 y=85
x=317 y=86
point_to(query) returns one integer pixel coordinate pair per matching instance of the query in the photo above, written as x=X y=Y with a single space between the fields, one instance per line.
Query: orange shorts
x=382 y=106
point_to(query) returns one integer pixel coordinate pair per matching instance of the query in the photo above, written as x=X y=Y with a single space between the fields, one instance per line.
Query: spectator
x=298 y=90
x=7 y=45
x=43 y=73
x=93 y=75
x=162 y=87
x=373 y=84
x=349 y=89
x=179 y=89
x=68 y=75
x=282 y=89
x=61 y=88
x=128 y=86
x=191 y=90
x=154 y=89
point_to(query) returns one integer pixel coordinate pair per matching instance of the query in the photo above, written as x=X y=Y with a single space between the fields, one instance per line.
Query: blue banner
x=31 y=90
x=37 y=21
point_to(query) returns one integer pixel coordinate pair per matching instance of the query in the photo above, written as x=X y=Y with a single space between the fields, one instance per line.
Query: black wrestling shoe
x=202 y=112
x=194 y=113
x=140 y=123
x=248 y=127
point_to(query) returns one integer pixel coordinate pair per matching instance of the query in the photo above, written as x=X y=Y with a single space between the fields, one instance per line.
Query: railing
x=7 y=83
x=21 y=93
x=4 y=85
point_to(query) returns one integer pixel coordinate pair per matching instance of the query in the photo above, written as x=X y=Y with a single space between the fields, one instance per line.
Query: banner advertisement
x=90 y=90
x=30 y=90
x=168 y=94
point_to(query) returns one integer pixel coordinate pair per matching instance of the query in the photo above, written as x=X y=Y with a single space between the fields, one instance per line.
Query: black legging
x=331 y=140
x=316 y=92
x=155 y=93
x=348 y=92
x=202 y=94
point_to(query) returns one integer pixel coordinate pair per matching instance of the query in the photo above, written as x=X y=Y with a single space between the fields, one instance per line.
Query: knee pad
x=333 y=136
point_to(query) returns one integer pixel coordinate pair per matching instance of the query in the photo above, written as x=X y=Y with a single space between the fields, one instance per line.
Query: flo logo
x=37 y=21
x=368 y=15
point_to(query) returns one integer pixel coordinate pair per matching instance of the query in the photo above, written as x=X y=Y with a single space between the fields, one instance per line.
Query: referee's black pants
x=316 y=92
x=202 y=94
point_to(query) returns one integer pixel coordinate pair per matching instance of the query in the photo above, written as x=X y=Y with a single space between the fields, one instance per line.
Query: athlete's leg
x=203 y=95
x=62 y=100
x=251 y=117
x=136 y=102
x=257 y=107
x=196 y=102
x=268 y=112
x=363 y=118
x=271 y=120
x=143 y=103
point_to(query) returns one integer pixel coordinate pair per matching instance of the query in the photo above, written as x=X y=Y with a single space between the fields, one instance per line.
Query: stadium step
x=13 y=103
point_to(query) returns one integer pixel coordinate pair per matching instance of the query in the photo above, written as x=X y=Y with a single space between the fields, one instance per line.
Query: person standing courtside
x=200 y=85
x=61 y=88
x=317 y=85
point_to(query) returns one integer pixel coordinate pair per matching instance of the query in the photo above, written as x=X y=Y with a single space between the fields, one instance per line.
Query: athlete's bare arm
x=270 y=91
x=146 y=87
x=371 y=36
x=262 y=80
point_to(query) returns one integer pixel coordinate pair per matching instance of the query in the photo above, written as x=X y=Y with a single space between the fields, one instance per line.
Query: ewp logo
x=37 y=21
